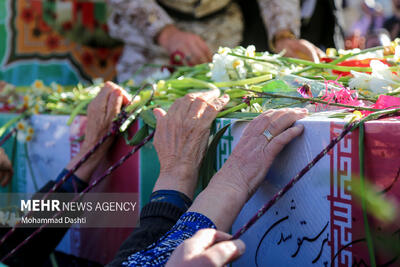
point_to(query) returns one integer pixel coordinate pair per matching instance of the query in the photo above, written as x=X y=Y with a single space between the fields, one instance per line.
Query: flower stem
x=343 y=58
x=254 y=80
x=256 y=59
x=315 y=100
x=330 y=65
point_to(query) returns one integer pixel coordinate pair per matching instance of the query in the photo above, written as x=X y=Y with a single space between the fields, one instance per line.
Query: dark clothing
x=36 y=252
x=393 y=26
x=325 y=27
x=156 y=219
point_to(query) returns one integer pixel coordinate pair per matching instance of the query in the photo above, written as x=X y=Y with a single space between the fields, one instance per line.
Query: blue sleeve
x=159 y=252
x=73 y=183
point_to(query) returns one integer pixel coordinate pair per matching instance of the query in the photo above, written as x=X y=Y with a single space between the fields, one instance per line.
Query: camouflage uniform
x=138 y=22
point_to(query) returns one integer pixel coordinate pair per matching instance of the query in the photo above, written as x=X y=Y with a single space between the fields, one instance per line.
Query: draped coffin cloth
x=319 y=221
x=53 y=145
x=61 y=41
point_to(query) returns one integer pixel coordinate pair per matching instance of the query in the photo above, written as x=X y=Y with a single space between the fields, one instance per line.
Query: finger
x=208 y=96
x=320 y=53
x=216 y=106
x=159 y=113
x=114 y=105
x=196 y=53
x=105 y=91
x=305 y=52
x=260 y=124
x=205 y=238
x=278 y=125
x=99 y=103
x=126 y=97
x=205 y=49
x=225 y=252
x=197 y=109
x=279 y=142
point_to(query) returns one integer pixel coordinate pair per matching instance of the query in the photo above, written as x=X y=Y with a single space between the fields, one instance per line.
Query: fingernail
x=225 y=96
x=240 y=245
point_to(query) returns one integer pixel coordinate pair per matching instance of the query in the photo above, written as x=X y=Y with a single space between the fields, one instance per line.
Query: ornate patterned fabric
x=137 y=23
x=159 y=253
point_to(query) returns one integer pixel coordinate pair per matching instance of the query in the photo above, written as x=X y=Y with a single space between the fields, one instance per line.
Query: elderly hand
x=299 y=48
x=100 y=115
x=208 y=247
x=191 y=45
x=247 y=166
x=181 y=138
x=6 y=169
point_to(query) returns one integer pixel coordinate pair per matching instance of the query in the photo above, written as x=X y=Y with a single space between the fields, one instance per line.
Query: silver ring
x=268 y=135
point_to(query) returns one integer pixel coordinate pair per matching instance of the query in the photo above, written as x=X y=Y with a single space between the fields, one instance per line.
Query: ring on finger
x=268 y=135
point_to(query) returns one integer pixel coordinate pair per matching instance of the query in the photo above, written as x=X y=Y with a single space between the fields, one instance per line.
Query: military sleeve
x=136 y=22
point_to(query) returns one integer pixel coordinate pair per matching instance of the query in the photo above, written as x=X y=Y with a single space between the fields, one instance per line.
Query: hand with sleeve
x=208 y=248
x=100 y=115
x=247 y=166
x=194 y=48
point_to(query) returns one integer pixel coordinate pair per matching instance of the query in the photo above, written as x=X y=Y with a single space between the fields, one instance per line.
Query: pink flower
x=305 y=91
x=384 y=102
x=343 y=96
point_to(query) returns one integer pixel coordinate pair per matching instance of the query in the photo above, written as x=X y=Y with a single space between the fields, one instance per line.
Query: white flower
x=219 y=72
x=224 y=50
x=160 y=74
x=396 y=56
x=250 y=51
x=379 y=81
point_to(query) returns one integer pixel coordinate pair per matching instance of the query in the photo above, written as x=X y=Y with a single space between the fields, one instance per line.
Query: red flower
x=52 y=42
x=87 y=59
x=27 y=15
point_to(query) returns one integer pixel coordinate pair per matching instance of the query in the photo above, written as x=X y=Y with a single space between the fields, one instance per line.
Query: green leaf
x=276 y=85
x=138 y=137
x=148 y=117
x=207 y=168
x=242 y=115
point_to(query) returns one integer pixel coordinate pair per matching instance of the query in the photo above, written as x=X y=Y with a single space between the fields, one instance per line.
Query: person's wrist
x=281 y=37
x=179 y=179
x=232 y=179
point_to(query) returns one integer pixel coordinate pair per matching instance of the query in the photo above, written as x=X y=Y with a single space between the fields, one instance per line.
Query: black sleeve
x=156 y=219
x=38 y=249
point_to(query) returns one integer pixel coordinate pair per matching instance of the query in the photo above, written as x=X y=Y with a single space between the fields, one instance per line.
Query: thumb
x=225 y=252
x=159 y=113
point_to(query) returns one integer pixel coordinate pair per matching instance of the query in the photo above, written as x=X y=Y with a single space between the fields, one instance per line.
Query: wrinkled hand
x=254 y=154
x=299 y=48
x=208 y=247
x=247 y=166
x=6 y=169
x=100 y=115
x=191 y=45
x=181 y=138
